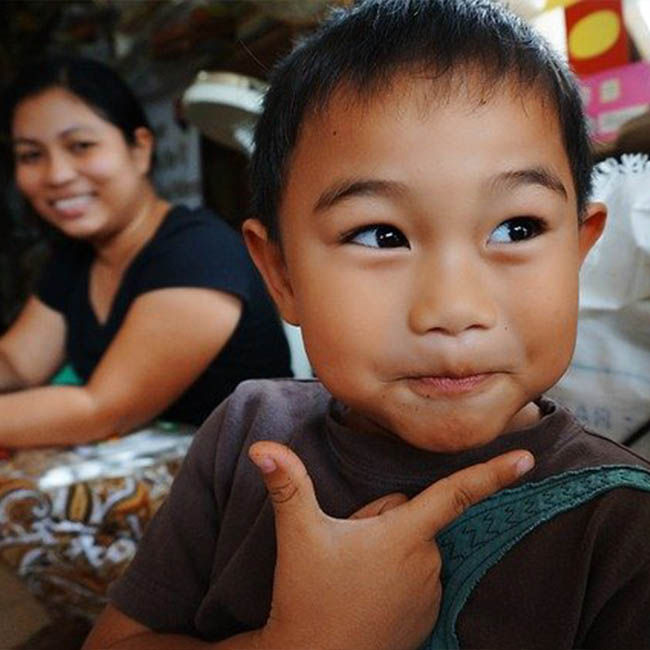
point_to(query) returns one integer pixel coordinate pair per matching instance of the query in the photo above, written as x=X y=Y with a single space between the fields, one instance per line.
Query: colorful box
x=596 y=36
x=614 y=96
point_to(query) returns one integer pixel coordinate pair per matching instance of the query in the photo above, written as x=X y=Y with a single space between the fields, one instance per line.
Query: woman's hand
x=371 y=581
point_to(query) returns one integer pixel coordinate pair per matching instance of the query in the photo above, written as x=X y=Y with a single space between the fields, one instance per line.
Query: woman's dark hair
x=95 y=83
x=364 y=46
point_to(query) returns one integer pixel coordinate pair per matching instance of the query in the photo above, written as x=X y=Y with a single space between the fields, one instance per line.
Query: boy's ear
x=591 y=227
x=143 y=144
x=269 y=260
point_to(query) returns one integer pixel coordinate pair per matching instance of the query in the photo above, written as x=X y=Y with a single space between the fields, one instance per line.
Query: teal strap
x=480 y=537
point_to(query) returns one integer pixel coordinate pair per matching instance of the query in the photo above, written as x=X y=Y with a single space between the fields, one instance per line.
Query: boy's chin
x=449 y=433
x=452 y=439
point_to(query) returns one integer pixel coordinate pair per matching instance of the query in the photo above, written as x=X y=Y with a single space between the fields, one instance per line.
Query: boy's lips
x=429 y=386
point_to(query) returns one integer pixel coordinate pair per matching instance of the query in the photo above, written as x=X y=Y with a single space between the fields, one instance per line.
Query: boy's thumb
x=288 y=484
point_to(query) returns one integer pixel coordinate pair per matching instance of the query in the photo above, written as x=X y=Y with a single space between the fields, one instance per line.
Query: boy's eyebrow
x=340 y=190
x=357 y=187
x=530 y=176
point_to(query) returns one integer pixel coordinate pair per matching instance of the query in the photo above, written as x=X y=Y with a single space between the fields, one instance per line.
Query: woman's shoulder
x=196 y=248
x=200 y=224
x=198 y=234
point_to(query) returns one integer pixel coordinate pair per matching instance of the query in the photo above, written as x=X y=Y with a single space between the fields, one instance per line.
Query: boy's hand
x=371 y=581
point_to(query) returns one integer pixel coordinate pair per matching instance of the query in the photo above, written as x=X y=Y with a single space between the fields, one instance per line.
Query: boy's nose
x=451 y=295
x=59 y=169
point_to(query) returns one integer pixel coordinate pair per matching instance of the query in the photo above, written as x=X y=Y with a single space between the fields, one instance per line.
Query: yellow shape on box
x=551 y=4
x=594 y=34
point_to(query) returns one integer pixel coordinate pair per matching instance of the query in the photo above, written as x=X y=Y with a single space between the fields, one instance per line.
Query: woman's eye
x=378 y=237
x=26 y=157
x=517 y=229
x=81 y=146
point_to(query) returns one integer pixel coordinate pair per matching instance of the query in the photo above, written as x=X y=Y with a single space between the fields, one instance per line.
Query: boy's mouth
x=429 y=386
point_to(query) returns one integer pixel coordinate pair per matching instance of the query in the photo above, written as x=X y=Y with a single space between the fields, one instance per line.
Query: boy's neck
x=526 y=417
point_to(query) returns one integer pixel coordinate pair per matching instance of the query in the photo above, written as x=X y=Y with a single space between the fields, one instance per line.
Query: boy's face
x=431 y=254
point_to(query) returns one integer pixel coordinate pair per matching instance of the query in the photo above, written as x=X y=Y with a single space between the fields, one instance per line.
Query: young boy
x=421 y=181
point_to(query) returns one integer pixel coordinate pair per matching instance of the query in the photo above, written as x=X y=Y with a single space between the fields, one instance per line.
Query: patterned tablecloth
x=70 y=519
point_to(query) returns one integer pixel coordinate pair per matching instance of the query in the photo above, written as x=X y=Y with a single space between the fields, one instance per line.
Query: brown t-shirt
x=205 y=565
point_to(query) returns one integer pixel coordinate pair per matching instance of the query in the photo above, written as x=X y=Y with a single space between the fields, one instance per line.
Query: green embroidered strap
x=483 y=534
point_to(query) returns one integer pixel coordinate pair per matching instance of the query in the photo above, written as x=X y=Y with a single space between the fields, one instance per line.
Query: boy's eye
x=517 y=229
x=378 y=236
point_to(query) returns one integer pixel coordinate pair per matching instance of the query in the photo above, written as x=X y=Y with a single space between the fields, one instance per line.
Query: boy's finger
x=379 y=506
x=287 y=481
x=444 y=501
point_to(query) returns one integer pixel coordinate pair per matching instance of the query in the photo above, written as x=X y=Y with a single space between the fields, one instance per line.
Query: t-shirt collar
x=400 y=466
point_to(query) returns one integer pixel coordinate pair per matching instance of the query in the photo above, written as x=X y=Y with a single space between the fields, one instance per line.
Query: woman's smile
x=72 y=206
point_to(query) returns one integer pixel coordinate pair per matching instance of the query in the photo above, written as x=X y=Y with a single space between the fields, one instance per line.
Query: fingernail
x=265 y=463
x=524 y=464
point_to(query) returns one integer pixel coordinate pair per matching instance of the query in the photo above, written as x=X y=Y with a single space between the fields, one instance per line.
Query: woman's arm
x=32 y=348
x=168 y=338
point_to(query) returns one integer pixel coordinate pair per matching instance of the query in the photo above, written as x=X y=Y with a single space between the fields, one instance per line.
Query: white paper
x=608 y=382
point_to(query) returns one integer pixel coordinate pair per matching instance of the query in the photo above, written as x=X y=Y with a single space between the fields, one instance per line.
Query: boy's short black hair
x=363 y=46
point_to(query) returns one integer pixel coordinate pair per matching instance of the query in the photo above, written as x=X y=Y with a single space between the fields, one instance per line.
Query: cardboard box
x=596 y=36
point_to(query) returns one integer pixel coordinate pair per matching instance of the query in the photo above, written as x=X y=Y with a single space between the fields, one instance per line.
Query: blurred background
x=160 y=46
x=200 y=68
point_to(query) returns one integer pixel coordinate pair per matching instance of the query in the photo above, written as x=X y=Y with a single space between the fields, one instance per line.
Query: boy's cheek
x=550 y=352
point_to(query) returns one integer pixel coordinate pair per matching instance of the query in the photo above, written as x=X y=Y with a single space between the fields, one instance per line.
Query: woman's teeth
x=72 y=203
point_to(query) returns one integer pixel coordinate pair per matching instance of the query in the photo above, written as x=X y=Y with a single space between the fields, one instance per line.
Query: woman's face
x=76 y=168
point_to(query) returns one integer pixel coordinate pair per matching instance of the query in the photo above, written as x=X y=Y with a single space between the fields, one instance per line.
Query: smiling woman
x=76 y=168
x=158 y=308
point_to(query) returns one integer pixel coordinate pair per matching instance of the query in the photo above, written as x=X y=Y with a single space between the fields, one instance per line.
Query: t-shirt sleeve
x=200 y=251
x=165 y=583
x=621 y=577
x=625 y=621
x=178 y=581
